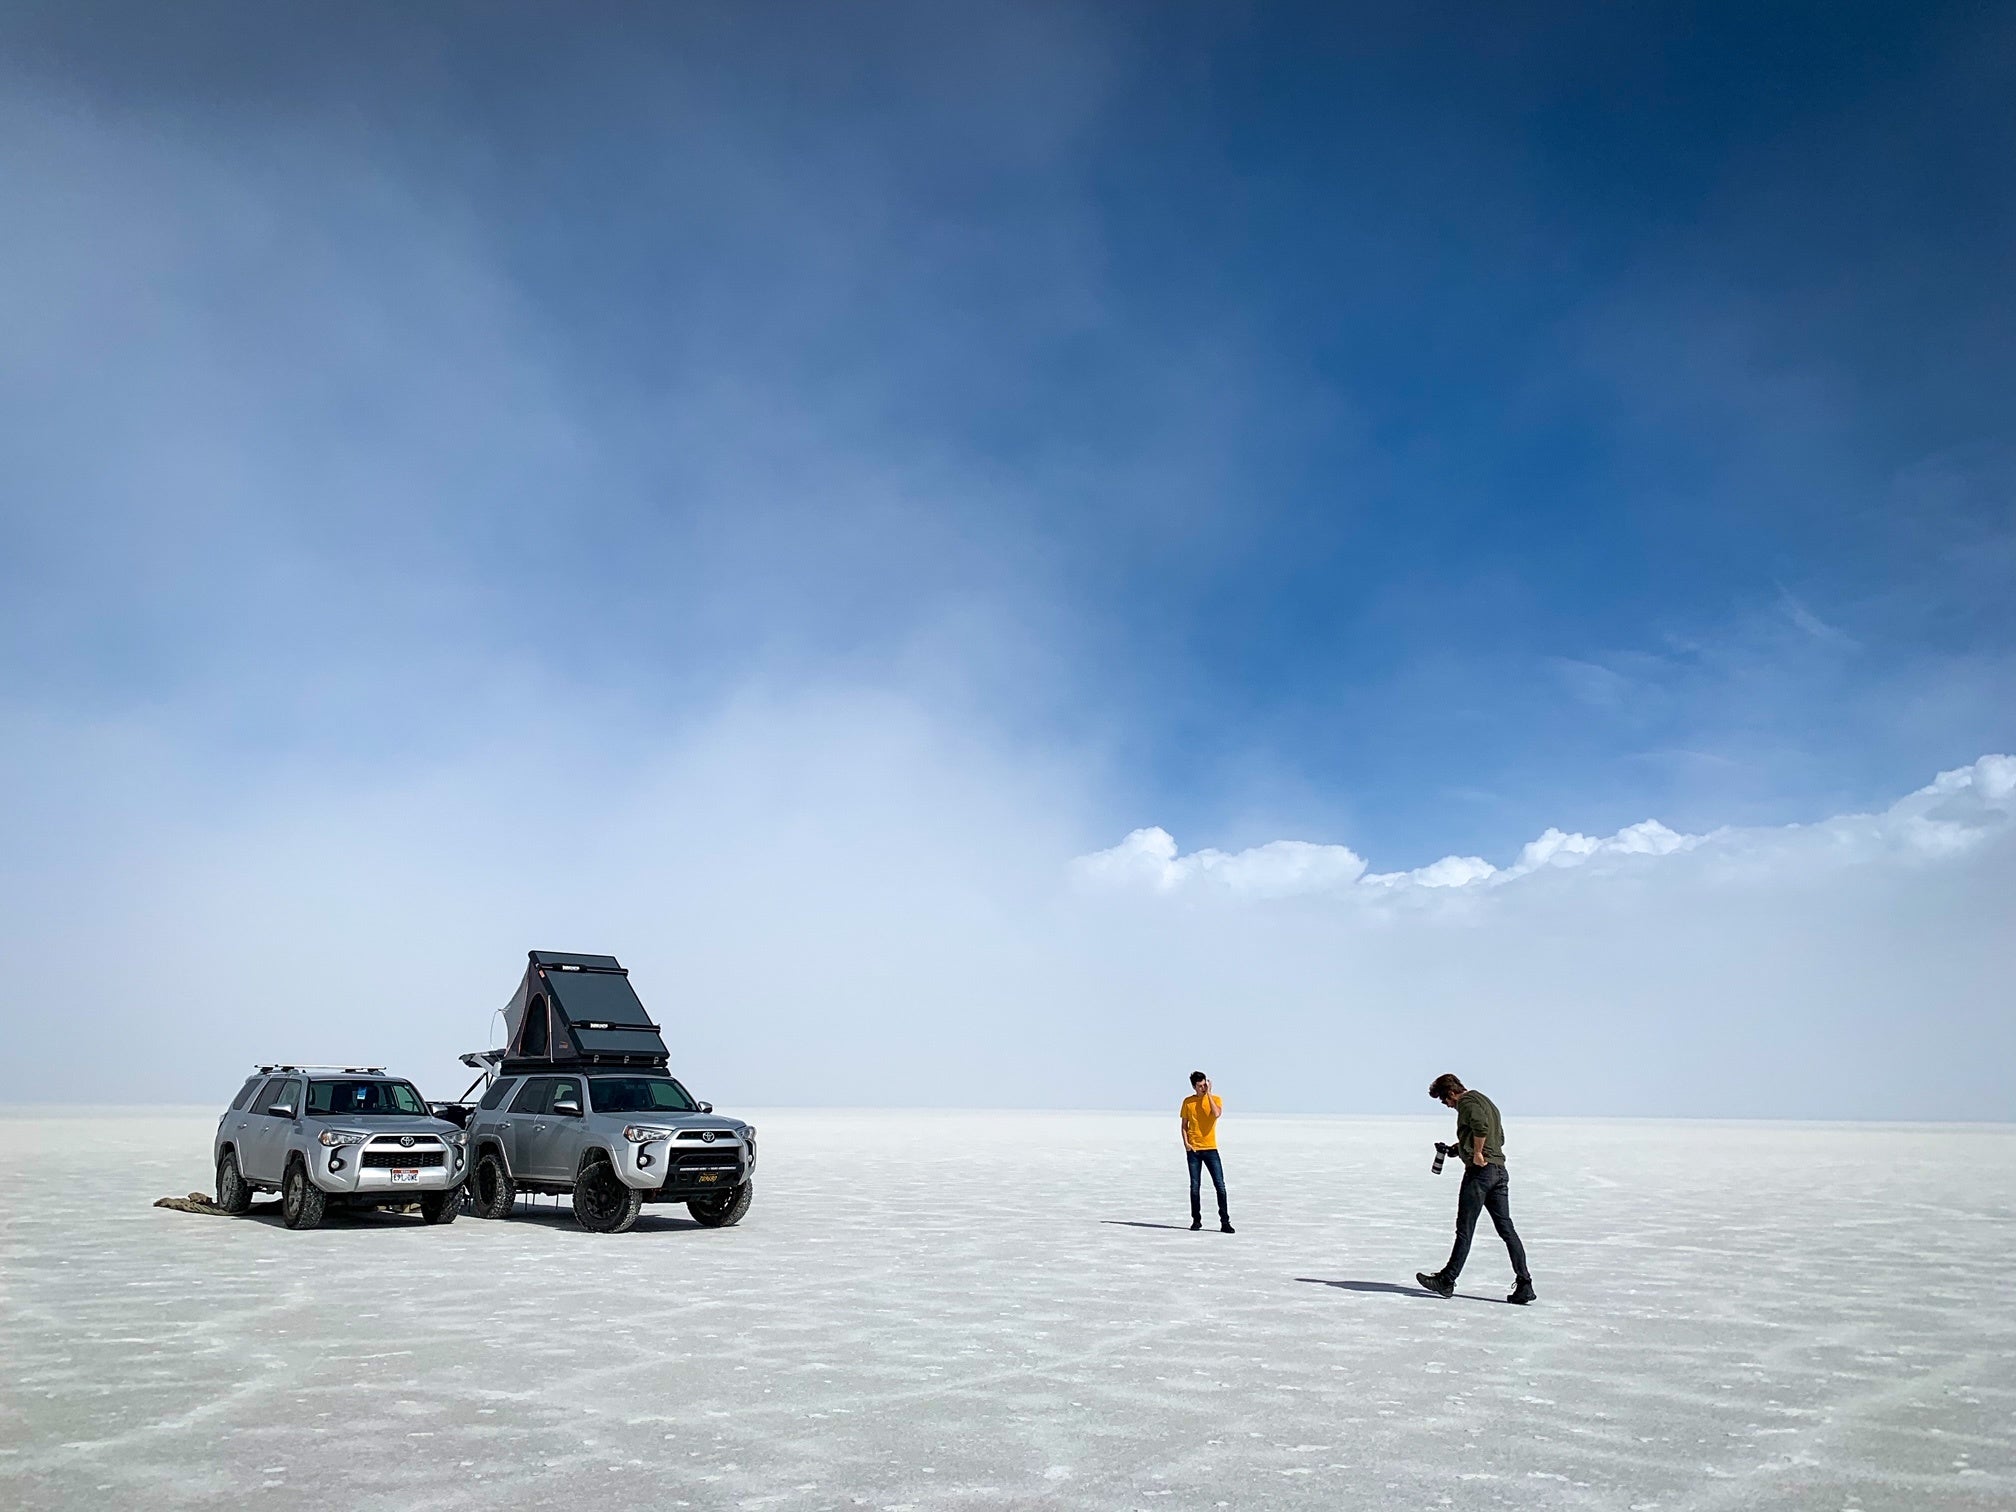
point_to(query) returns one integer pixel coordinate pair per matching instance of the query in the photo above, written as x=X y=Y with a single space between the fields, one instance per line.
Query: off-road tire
x=302 y=1203
x=441 y=1207
x=492 y=1192
x=603 y=1202
x=234 y=1192
x=724 y=1210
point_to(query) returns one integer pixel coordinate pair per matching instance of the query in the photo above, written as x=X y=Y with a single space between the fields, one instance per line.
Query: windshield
x=640 y=1094
x=365 y=1099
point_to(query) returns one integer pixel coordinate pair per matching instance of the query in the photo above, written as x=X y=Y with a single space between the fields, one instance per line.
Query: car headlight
x=456 y=1137
x=334 y=1137
x=645 y=1134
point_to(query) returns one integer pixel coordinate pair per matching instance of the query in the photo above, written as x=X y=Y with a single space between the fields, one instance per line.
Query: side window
x=567 y=1087
x=244 y=1098
x=288 y=1092
x=533 y=1040
x=263 y=1098
x=531 y=1096
x=499 y=1090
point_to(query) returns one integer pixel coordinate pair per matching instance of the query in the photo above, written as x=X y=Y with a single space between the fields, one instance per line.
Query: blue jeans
x=1486 y=1188
x=1200 y=1162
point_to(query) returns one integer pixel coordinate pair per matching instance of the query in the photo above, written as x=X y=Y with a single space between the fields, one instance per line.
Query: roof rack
x=349 y=1070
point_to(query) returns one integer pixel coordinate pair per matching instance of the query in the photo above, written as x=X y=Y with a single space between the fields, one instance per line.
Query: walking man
x=1480 y=1140
x=1199 y=1120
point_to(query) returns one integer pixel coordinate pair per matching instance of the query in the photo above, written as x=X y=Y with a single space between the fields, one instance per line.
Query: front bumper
x=341 y=1171
x=680 y=1168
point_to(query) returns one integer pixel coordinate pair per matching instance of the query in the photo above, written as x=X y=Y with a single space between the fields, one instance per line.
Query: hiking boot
x=1436 y=1283
x=1196 y=1224
x=1226 y=1227
x=1522 y=1293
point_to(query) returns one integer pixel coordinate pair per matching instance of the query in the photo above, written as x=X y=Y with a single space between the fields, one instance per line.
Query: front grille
x=404 y=1159
x=721 y=1136
x=406 y=1141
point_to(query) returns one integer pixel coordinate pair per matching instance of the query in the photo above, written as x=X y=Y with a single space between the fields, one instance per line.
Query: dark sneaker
x=1522 y=1294
x=1436 y=1284
x=1226 y=1228
x=1196 y=1224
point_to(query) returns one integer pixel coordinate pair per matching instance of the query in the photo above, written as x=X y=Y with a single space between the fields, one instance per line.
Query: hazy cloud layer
x=836 y=896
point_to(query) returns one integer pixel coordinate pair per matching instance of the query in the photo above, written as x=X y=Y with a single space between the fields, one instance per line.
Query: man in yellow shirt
x=1198 y=1119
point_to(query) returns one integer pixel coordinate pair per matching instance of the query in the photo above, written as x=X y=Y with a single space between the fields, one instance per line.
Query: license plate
x=406 y=1175
x=710 y=1176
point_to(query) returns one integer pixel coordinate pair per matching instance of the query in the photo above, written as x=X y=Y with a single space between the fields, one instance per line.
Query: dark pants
x=1487 y=1187
x=1200 y=1162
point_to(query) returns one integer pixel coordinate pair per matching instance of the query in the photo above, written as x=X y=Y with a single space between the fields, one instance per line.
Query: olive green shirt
x=1477 y=1114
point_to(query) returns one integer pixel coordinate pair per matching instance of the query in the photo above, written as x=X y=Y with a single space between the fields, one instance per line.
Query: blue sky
x=1399 y=432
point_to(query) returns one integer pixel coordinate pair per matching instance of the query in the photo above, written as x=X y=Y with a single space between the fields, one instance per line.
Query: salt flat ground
x=947 y=1310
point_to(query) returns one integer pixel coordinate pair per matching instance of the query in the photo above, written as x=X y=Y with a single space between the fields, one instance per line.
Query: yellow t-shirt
x=1200 y=1120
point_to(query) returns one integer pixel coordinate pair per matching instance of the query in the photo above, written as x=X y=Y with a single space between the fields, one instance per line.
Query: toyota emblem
x=706 y=1136
x=406 y=1140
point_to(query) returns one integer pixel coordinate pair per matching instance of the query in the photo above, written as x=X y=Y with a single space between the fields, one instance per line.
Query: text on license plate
x=710 y=1176
x=406 y=1174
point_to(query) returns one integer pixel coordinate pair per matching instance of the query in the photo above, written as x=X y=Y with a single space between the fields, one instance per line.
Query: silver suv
x=612 y=1137
x=350 y=1135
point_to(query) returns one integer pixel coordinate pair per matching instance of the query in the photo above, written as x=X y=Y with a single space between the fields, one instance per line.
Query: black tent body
x=576 y=1010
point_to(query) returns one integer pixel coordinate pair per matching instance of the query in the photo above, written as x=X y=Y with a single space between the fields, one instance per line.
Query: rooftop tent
x=577 y=1010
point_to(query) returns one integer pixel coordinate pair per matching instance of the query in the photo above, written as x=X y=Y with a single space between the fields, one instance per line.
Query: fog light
x=335 y=1162
x=643 y=1158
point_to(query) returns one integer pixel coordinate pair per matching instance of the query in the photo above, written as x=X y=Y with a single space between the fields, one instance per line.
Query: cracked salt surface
x=1732 y=1317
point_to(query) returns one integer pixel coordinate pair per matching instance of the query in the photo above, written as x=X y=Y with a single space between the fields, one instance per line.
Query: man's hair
x=1444 y=1084
x=1197 y=1076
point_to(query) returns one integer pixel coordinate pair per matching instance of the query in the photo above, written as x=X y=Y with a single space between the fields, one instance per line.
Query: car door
x=269 y=1131
x=521 y=1123
x=245 y=1117
x=560 y=1139
x=550 y=1137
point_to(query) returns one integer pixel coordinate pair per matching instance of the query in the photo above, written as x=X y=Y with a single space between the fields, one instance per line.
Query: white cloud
x=1450 y=871
x=1799 y=613
x=1952 y=814
x=1148 y=857
x=1853 y=967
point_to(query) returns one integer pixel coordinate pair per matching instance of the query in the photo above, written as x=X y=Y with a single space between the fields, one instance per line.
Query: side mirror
x=706 y=1107
x=281 y=1110
x=568 y=1106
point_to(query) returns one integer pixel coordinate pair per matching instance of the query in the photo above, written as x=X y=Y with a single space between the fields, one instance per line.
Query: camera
x=1442 y=1152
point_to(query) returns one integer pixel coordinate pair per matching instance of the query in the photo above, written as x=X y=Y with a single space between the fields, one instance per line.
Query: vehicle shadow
x=561 y=1217
x=1138 y=1223
x=541 y=1214
x=337 y=1216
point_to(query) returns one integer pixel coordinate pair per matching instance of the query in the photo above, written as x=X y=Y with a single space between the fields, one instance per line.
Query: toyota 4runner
x=348 y=1135
x=580 y=1104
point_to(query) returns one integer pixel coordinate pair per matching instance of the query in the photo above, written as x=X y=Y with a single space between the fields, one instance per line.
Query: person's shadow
x=1138 y=1223
x=1396 y=1288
